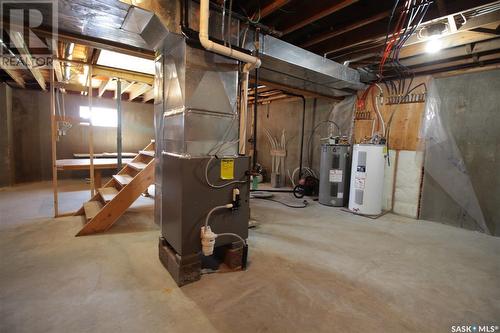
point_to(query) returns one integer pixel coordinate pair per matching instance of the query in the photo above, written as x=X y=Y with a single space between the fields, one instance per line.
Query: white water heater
x=367 y=179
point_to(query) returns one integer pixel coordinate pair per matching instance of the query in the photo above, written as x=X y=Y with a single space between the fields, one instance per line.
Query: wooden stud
x=91 y=135
x=53 y=126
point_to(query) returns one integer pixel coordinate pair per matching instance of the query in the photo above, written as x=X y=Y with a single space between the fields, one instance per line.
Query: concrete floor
x=314 y=269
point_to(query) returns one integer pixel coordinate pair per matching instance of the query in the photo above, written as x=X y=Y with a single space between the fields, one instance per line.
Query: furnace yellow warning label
x=227 y=169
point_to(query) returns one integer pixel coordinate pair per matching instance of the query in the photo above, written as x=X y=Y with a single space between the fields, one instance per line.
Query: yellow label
x=385 y=149
x=227 y=169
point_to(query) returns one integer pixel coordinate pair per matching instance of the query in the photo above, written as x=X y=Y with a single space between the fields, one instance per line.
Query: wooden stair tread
x=123 y=179
x=118 y=194
x=108 y=193
x=150 y=153
x=137 y=165
x=91 y=209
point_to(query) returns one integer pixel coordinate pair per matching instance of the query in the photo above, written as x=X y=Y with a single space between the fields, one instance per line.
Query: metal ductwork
x=292 y=66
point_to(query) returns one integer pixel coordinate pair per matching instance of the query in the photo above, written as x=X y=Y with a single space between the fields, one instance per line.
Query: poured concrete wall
x=288 y=115
x=6 y=136
x=470 y=109
x=32 y=132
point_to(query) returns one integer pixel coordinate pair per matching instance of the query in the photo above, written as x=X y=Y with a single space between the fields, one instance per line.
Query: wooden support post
x=119 y=127
x=53 y=126
x=91 y=135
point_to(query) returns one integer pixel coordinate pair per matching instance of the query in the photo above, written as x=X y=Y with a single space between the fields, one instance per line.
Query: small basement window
x=102 y=117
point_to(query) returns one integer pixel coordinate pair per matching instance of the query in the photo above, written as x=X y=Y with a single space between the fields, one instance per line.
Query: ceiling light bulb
x=433 y=45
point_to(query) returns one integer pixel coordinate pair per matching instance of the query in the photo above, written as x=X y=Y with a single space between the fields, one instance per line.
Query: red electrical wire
x=394 y=37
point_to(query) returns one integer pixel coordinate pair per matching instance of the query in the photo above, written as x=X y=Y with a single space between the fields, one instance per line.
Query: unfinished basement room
x=250 y=166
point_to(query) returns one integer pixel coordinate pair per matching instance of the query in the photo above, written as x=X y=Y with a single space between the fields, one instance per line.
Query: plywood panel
x=405 y=125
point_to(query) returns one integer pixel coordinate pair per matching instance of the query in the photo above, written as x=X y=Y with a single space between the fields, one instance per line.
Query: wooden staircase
x=112 y=200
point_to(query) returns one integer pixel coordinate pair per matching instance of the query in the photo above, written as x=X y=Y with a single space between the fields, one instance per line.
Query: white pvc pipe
x=218 y=48
x=378 y=110
x=250 y=63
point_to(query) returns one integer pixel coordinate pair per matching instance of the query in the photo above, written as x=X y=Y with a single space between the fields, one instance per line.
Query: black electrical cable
x=301 y=155
x=303 y=204
x=390 y=22
x=255 y=104
x=302 y=135
x=308 y=147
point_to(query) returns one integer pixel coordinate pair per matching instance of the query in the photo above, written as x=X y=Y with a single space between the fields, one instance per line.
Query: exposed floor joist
x=138 y=91
x=325 y=36
x=272 y=7
x=19 y=43
x=315 y=16
x=148 y=95
x=12 y=72
x=104 y=86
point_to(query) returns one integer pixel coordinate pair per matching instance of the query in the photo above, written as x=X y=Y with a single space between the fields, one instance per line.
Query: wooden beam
x=272 y=7
x=285 y=88
x=322 y=37
x=11 y=72
x=104 y=86
x=454 y=40
x=99 y=70
x=469 y=50
x=138 y=91
x=97 y=43
x=70 y=86
x=123 y=74
x=149 y=95
x=339 y=5
x=18 y=41
x=281 y=98
x=479 y=61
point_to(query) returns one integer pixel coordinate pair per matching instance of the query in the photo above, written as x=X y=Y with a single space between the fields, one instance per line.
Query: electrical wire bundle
x=390 y=71
x=412 y=14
